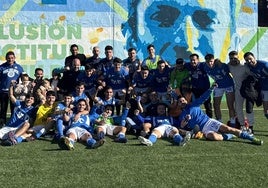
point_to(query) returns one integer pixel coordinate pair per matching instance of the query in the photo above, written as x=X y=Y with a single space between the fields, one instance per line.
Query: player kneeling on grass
x=18 y=124
x=212 y=129
x=80 y=128
x=105 y=124
x=163 y=128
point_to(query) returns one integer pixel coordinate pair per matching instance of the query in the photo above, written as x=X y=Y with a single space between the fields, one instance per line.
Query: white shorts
x=211 y=126
x=264 y=95
x=77 y=131
x=165 y=130
x=5 y=130
x=108 y=129
x=218 y=92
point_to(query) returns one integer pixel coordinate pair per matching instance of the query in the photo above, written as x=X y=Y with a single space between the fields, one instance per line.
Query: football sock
x=101 y=135
x=227 y=136
x=19 y=139
x=59 y=128
x=40 y=133
x=91 y=142
x=177 y=138
x=153 y=138
x=245 y=135
x=121 y=135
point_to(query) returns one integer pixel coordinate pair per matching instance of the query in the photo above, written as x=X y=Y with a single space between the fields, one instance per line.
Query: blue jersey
x=21 y=114
x=157 y=121
x=77 y=97
x=90 y=81
x=198 y=117
x=141 y=83
x=117 y=80
x=260 y=71
x=104 y=65
x=7 y=73
x=199 y=77
x=220 y=74
x=161 y=80
x=83 y=122
x=131 y=65
x=113 y=101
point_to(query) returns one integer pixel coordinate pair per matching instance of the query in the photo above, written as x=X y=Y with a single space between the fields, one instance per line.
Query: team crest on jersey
x=11 y=73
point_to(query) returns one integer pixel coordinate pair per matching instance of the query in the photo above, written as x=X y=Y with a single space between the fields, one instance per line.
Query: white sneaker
x=186 y=138
x=145 y=141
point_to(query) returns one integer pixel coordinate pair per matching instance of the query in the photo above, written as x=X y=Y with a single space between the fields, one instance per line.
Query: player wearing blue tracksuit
x=212 y=129
x=10 y=70
x=221 y=75
x=260 y=71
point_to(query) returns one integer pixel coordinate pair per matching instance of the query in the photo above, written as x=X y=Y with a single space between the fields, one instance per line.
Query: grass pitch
x=235 y=163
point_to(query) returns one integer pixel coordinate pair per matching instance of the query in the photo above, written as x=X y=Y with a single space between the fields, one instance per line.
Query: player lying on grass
x=162 y=128
x=212 y=129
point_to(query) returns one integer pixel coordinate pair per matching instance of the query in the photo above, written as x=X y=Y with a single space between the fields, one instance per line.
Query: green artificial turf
x=200 y=163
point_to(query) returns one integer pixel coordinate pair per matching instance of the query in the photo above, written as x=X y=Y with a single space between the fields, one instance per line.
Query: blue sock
x=101 y=135
x=153 y=138
x=91 y=142
x=246 y=136
x=227 y=136
x=121 y=135
x=71 y=140
x=59 y=128
x=19 y=139
x=40 y=133
x=177 y=138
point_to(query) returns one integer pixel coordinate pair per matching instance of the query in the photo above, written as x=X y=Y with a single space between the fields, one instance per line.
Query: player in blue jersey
x=80 y=129
x=89 y=77
x=79 y=93
x=142 y=81
x=107 y=99
x=220 y=73
x=107 y=62
x=260 y=71
x=132 y=63
x=199 y=80
x=10 y=70
x=19 y=121
x=161 y=77
x=212 y=129
x=117 y=77
x=162 y=126
x=63 y=107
